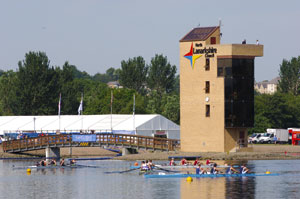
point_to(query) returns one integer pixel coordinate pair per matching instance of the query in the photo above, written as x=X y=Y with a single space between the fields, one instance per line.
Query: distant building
x=114 y=84
x=267 y=87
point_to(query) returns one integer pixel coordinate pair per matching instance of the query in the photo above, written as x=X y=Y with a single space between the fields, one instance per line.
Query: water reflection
x=219 y=187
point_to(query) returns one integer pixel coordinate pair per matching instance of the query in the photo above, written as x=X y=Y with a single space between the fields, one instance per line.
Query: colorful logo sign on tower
x=192 y=57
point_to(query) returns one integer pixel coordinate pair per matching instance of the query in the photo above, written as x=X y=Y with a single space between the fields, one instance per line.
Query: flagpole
x=111 y=101
x=133 y=112
x=59 y=107
x=82 y=111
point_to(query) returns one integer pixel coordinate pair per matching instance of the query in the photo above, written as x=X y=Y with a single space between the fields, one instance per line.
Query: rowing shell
x=184 y=167
x=181 y=175
x=48 y=167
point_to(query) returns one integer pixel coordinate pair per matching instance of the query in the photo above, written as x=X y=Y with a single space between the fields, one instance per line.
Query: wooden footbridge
x=90 y=140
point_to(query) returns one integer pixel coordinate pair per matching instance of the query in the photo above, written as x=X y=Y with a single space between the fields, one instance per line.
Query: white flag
x=80 y=108
x=59 y=104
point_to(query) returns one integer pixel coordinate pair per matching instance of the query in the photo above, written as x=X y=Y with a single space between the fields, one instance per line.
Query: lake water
x=95 y=183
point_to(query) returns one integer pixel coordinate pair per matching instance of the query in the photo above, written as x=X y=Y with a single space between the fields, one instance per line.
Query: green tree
x=171 y=108
x=37 y=85
x=290 y=76
x=280 y=110
x=70 y=93
x=101 y=78
x=161 y=75
x=1 y=72
x=99 y=100
x=177 y=85
x=8 y=100
x=133 y=74
x=154 y=102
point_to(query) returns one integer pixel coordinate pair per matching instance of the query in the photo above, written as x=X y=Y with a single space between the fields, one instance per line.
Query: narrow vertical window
x=207 y=111
x=207 y=64
x=213 y=40
x=206 y=86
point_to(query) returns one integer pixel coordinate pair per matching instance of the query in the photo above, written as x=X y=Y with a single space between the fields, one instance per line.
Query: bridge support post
x=126 y=151
x=53 y=153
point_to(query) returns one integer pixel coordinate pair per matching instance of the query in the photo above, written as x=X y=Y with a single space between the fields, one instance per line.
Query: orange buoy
x=136 y=164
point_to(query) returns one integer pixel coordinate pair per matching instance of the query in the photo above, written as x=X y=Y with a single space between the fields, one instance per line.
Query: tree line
x=281 y=109
x=34 y=88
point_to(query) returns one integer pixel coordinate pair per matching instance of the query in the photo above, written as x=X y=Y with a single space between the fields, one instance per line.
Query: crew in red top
x=172 y=162
x=207 y=162
x=196 y=161
x=183 y=161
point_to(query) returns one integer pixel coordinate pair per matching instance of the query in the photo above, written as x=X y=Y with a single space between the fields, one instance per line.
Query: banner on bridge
x=84 y=138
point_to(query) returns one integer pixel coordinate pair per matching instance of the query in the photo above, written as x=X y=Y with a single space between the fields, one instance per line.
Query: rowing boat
x=184 y=166
x=48 y=167
x=181 y=175
x=145 y=172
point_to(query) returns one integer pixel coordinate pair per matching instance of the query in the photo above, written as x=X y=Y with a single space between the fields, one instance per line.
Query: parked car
x=266 y=138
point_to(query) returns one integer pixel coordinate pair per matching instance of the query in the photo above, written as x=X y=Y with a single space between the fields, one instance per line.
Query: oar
x=165 y=169
x=90 y=166
x=110 y=172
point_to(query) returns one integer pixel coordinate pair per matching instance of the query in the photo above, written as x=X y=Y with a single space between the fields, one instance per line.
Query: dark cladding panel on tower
x=238 y=75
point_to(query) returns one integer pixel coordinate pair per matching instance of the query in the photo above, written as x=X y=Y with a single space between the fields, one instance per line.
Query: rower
x=150 y=165
x=43 y=163
x=53 y=162
x=207 y=162
x=230 y=170
x=183 y=162
x=172 y=162
x=214 y=170
x=72 y=162
x=144 y=166
x=62 y=162
x=196 y=161
x=200 y=170
x=244 y=169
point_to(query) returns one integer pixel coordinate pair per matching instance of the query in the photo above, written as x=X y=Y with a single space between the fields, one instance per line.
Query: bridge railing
x=65 y=140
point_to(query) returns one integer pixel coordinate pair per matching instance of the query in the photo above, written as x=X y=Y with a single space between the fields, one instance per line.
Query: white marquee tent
x=147 y=125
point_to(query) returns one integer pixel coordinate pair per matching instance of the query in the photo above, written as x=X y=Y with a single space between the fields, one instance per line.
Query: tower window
x=213 y=40
x=206 y=86
x=207 y=64
x=207 y=111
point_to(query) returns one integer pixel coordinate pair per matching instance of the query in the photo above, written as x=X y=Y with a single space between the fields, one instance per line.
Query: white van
x=255 y=138
x=267 y=138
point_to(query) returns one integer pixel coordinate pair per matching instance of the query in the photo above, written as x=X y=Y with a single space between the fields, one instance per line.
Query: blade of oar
x=125 y=171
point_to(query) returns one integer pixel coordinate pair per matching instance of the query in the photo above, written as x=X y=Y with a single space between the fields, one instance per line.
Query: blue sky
x=95 y=35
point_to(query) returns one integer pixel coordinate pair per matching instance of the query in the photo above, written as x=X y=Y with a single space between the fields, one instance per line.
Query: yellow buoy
x=189 y=179
x=268 y=172
x=28 y=170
